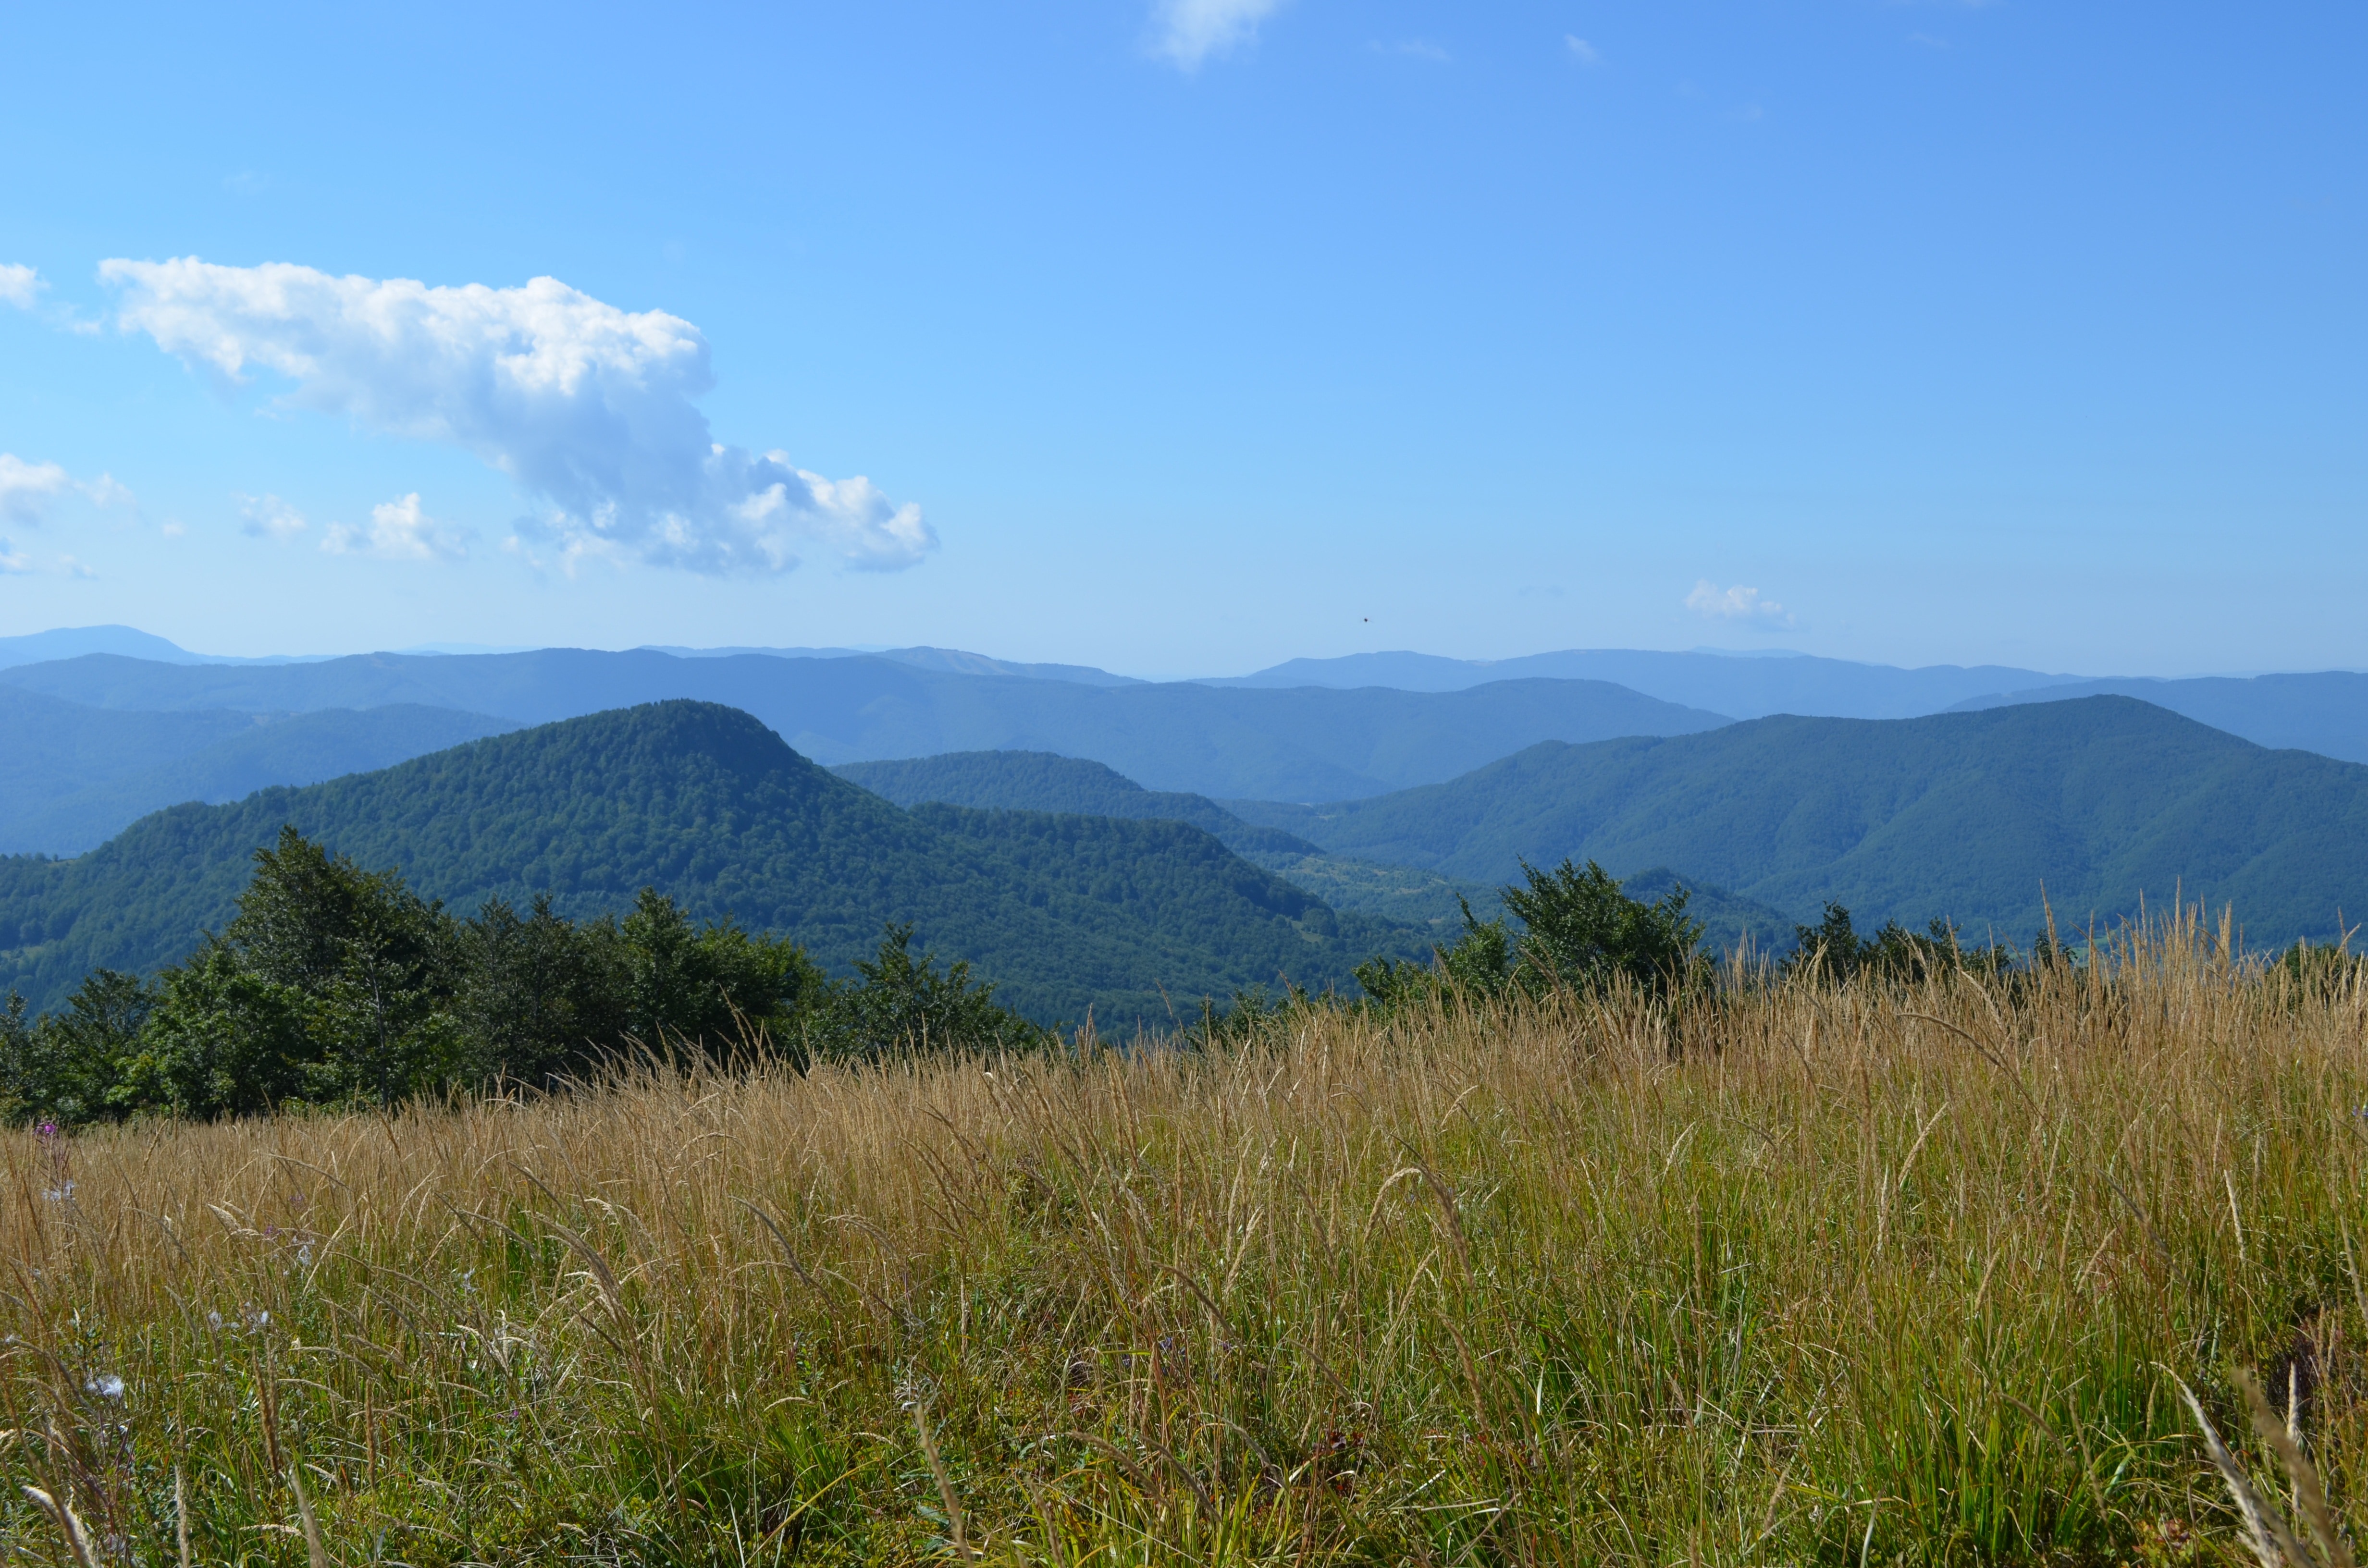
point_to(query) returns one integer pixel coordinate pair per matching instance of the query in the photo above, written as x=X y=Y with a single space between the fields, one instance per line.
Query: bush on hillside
x=1834 y=948
x=1579 y=933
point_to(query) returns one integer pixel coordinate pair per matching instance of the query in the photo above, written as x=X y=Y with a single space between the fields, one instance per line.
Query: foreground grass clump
x=1853 y=1274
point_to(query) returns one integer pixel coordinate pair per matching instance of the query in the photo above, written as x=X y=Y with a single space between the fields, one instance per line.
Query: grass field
x=1801 y=1274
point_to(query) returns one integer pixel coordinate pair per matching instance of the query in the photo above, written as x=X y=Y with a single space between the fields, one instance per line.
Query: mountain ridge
x=1304 y=745
x=2108 y=801
x=1067 y=913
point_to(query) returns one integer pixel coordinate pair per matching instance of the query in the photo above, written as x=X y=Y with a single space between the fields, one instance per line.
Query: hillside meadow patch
x=1791 y=1272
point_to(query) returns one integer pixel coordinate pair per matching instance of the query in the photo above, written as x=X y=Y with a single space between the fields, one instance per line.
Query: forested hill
x=2106 y=801
x=1045 y=782
x=1287 y=746
x=707 y=805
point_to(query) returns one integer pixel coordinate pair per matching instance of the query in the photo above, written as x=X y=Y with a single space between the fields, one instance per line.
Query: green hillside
x=1043 y=781
x=2105 y=799
x=74 y=775
x=707 y=805
x=1308 y=745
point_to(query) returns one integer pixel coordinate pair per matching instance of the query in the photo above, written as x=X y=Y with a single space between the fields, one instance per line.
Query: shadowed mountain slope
x=1309 y=745
x=1046 y=781
x=2326 y=712
x=2104 y=800
x=71 y=776
x=1065 y=913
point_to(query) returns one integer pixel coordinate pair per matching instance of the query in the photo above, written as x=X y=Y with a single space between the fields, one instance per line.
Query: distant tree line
x=338 y=985
x=334 y=985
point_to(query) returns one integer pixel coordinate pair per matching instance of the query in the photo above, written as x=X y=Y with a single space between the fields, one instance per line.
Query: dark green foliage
x=66 y=1067
x=72 y=775
x=1044 y=781
x=334 y=985
x=1834 y=950
x=708 y=807
x=1579 y=932
x=2105 y=801
x=1583 y=932
x=2324 y=970
x=1307 y=744
x=905 y=1004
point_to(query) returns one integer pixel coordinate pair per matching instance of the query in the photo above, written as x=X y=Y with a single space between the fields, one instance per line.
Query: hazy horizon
x=1188 y=336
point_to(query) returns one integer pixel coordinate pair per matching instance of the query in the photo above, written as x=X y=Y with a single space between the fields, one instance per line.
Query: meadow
x=1790 y=1272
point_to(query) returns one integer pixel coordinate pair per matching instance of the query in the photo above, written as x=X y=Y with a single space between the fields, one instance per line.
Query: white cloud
x=19 y=285
x=267 y=517
x=14 y=562
x=398 y=530
x=1581 y=50
x=1413 y=48
x=588 y=406
x=1737 y=603
x=1192 y=31
x=26 y=488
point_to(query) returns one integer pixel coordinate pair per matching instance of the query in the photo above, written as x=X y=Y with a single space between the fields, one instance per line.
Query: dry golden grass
x=1856 y=1275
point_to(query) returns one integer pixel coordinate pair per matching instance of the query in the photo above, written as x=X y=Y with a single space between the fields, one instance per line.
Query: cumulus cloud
x=1581 y=50
x=19 y=285
x=587 y=406
x=267 y=517
x=1737 y=603
x=398 y=530
x=1189 y=31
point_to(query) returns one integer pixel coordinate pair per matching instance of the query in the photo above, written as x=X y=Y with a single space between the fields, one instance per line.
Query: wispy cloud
x=27 y=489
x=398 y=530
x=1737 y=603
x=1581 y=50
x=1413 y=49
x=1191 y=31
x=19 y=285
x=587 y=406
x=267 y=517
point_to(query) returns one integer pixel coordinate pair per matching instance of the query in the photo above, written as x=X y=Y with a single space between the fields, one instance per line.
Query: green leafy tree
x=904 y=1004
x=1579 y=931
x=374 y=961
x=541 y=996
x=64 y=1067
x=1582 y=931
x=222 y=1041
x=1834 y=948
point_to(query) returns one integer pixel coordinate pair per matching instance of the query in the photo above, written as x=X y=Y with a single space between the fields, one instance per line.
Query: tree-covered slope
x=73 y=776
x=2105 y=801
x=1045 y=782
x=707 y=805
x=1308 y=745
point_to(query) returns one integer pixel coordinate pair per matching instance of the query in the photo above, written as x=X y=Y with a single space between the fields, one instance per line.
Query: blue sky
x=1185 y=338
